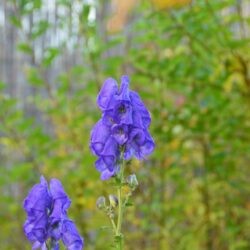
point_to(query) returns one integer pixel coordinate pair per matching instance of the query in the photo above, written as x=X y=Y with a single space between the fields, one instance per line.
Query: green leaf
x=28 y=6
x=129 y=204
x=39 y=29
x=34 y=76
x=17 y=22
x=25 y=47
x=49 y=56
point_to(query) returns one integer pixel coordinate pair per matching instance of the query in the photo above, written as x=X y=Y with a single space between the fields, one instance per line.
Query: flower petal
x=106 y=171
x=139 y=109
x=70 y=236
x=107 y=92
x=124 y=89
x=38 y=198
x=61 y=203
x=123 y=113
x=99 y=136
x=111 y=148
x=120 y=133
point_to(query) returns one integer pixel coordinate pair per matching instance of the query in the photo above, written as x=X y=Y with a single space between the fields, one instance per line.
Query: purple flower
x=46 y=208
x=99 y=137
x=140 y=144
x=109 y=89
x=70 y=236
x=122 y=132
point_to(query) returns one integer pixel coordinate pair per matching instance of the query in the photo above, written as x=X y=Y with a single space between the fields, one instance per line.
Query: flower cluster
x=47 y=218
x=122 y=132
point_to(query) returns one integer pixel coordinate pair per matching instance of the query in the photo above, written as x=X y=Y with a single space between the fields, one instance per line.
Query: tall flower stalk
x=121 y=134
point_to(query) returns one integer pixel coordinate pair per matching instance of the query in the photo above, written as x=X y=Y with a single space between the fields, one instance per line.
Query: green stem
x=119 y=235
x=119 y=221
x=48 y=245
x=113 y=224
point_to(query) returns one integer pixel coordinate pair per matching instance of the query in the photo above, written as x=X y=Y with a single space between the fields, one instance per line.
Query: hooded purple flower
x=46 y=210
x=122 y=132
x=70 y=236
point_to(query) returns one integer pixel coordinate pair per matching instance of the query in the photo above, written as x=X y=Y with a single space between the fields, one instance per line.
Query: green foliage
x=25 y=48
x=191 y=67
x=49 y=56
x=39 y=28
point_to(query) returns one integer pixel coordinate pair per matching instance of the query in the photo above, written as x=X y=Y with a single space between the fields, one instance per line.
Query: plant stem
x=113 y=224
x=119 y=235
x=119 y=221
x=48 y=245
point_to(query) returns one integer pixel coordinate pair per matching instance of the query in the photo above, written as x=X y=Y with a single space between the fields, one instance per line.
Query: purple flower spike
x=122 y=131
x=46 y=208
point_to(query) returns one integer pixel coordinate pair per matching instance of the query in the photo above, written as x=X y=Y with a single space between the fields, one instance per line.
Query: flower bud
x=132 y=181
x=113 y=200
x=101 y=202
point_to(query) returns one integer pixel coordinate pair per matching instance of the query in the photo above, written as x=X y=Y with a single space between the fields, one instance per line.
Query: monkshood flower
x=122 y=132
x=47 y=221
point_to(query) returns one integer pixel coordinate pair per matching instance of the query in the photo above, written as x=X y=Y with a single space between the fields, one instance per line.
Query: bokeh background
x=190 y=62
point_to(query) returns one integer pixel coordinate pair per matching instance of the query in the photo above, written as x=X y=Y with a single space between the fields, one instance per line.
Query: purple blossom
x=122 y=132
x=70 y=236
x=46 y=208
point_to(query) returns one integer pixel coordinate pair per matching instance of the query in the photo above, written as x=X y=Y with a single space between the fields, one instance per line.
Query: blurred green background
x=190 y=62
